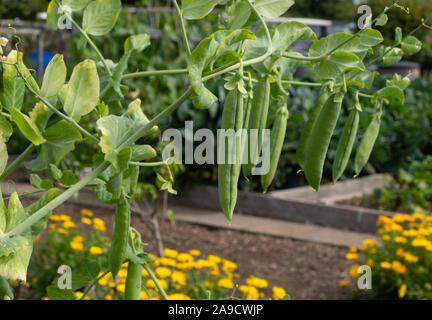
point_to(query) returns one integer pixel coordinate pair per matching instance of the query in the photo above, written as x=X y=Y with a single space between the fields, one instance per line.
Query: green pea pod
x=258 y=119
x=346 y=143
x=247 y=112
x=119 y=241
x=301 y=148
x=277 y=139
x=319 y=140
x=367 y=143
x=133 y=281
x=229 y=173
x=5 y=290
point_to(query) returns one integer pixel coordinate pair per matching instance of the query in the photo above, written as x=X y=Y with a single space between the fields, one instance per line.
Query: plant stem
x=42 y=212
x=92 y=284
x=267 y=32
x=24 y=155
x=148 y=164
x=144 y=74
x=185 y=39
x=155 y=280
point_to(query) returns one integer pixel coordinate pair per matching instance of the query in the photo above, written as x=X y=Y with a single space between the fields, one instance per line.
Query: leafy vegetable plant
x=258 y=68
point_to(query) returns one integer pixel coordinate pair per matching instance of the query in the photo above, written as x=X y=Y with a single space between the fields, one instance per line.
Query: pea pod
x=258 y=120
x=119 y=241
x=133 y=281
x=367 y=143
x=229 y=173
x=277 y=139
x=319 y=140
x=5 y=290
x=301 y=148
x=346 y=144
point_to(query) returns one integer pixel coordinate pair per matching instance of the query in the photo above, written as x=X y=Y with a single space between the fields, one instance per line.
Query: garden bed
x=306 y=270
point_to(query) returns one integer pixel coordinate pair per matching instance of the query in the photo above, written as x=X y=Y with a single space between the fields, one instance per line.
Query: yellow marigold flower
x=352 y=250
x=76 y=246
x=86 y=221
x=420 y=242
x=61 y=230
x=178 y=296
x=98 y=224
x=278 y=293
x=45 y=298
x=108 y=297
x=143 y=295
x=418 y=215
x=170 y=253
x=425 y=232
x=162 y=282
x=228 y=266
x=353 y=272
x=36 y=238
x=121 y=287
x=363 y=248
x=386 y=237
x=410 y=233
x=65 y=217
x=400 y=239
x=178 y=277
x=144 y=273
x=95 y=250
x=184 y=257
x=195 y=253
x=52 y=226
x=385 y=265
x=399 y=218
x=87 y=212
x=69 y=225
x=343 y=283
x=167 y=262
x=411 y=258
x=185 y=265
x=215 y=271
x=163 y=272
x=351 y=256
x=123 y=272
x=398 y=267
x=201 y=263
x=402 y=291
x=257 y=282
x=79 y=295
x=225 y=283
x=429 y=247
x=214 y=258
x=370 y=263
x=55 y=218
x=78 y=238
x=394 y=227
x=369 y=242
x=104 y=280
x=400 y=252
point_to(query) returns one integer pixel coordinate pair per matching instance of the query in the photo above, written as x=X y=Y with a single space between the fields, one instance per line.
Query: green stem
x=42 y=212
x=24 y=155
x=144 y=74
x=92 y=284
x=6 y=115
x=303 y=58
x=267 y=32
x=155 y=280
x=148 y=164
x=185 y=39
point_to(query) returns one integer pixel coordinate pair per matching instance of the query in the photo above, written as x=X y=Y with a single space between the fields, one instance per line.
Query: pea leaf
x=26 y=126
x=392 y=57
x=371 y=37
x=54 y=77
x=288 y=32
x=55 y=293
x=382 y=20
x=83 y=91
x=197 y=9
x=52 y=14
x=3 y=155
x=76 y=5
x=337 y=63
x=142 y=153
x=137 y=42
x=239 y=15
x=398 y=35
x=40 y=115
x=100 y=16
x=68 y=178
x=60 y=140
x=5 y=128
x=12 y=88
x=411 y=45
x=272 y=8
x=327 y=44
x=391 y=92
x=362 y=79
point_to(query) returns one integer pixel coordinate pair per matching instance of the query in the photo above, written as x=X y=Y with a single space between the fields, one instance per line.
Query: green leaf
x=272 y=8
x=54 y=77
x=197 y=9
x=35 y=180
x=56 y=173
x=83 y=91
x=76 y=5
x=52 y=14
x=114 y=185
x=371 y=37
x=18 y=57
x=26 y=126
x=68 y=178
x=100 y=16
x=5 y=128
x=60 y=140
x=392 y=57
x=289 y=32
x=338 y=63
x=398 y=81
x=398 y=35
x=3 y=155
x=239 y=16
x=137 y=42
x=124 y=157
x=15 y=255
x=391 y=92
x=143 y=153
x=411 y=45
x=55 y=293
x=40 y=115
x=327 y=44
x=90 y=268
x=362 y=79
x=12 y=87
x=382 y=20
x=130 y=180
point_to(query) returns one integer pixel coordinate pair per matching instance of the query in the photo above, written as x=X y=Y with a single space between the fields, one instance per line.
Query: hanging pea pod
x=346 y=144
x=319 y=140
x=367 y=143
x=5 y=290
x=257 y=121
x=119 y=241
x=277 y=139
x=229 y=170
x=301 y=148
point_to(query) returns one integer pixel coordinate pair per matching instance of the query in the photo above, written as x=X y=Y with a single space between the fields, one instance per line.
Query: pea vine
x=258 y=67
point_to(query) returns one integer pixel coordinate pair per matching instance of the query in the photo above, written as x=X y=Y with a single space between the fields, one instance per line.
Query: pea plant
x=257 y=66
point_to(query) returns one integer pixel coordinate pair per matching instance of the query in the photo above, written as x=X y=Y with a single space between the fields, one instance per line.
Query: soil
x=306 y=270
